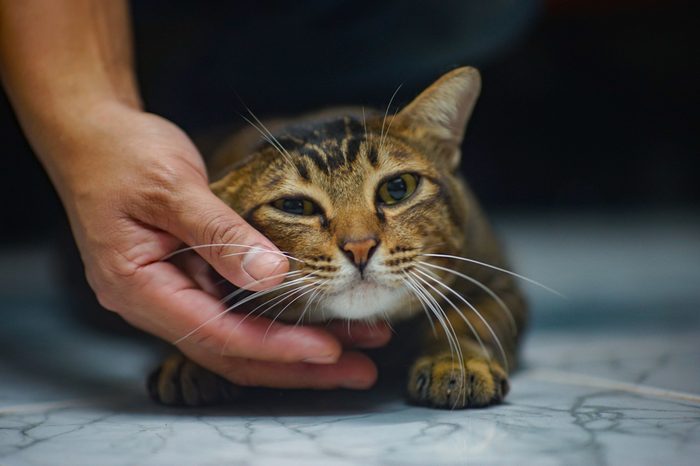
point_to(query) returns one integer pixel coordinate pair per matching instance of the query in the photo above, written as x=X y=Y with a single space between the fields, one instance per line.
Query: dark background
x=586 y=105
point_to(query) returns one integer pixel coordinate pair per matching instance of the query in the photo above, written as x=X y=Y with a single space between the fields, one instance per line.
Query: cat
x=377 y=217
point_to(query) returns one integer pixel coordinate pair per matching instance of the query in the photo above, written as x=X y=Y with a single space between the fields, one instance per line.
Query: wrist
x=51 y=112
x=69 y=137
x=61 y=56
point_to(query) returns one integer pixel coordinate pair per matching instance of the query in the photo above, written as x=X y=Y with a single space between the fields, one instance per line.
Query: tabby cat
x=381 y=225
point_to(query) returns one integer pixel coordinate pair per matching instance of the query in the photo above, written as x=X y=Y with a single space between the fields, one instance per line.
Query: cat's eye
x=397 y=189
x=296 y=206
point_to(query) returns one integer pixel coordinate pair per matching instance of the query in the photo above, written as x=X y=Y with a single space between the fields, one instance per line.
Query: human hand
x=135 y=189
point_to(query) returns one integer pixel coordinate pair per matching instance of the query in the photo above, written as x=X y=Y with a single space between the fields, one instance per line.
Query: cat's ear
x=443 y=109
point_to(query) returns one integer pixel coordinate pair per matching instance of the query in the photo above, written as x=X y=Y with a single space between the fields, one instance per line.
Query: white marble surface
x=612 y=376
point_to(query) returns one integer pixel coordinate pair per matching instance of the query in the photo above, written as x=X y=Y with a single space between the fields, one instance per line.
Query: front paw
x=441 y=382
x=180 y=382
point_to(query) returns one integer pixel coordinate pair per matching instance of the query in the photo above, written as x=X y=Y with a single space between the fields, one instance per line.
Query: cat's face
x=356 y=200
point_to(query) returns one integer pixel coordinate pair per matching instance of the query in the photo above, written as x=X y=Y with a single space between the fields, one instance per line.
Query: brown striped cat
x=380 y=225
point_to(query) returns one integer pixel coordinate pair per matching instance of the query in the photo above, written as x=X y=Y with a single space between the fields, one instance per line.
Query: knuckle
x=118 y=267
x=164 y=176
x=222 y=230
x=109 y=277
x=154 y=203
x=159 y=193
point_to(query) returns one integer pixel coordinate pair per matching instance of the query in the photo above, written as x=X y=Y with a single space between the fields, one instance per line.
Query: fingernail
x=328 y=359
x=259 y=263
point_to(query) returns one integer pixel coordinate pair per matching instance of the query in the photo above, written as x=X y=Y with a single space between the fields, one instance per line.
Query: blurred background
x=587 y=106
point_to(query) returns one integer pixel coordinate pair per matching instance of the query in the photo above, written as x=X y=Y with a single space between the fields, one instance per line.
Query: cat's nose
x=359 y=252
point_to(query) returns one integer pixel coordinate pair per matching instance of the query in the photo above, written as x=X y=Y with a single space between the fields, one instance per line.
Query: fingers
x=128 y=217
x=360 y=334
x=159 y=298
x=236 y=250
x=252 y=352
x=170 y=305
x=199 y=270
x=352 y=370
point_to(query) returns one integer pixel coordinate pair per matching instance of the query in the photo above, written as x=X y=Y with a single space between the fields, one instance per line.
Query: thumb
x=236 y=250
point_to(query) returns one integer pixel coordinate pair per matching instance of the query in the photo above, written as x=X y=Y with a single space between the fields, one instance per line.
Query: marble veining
x=610 y=377
x=542 y=423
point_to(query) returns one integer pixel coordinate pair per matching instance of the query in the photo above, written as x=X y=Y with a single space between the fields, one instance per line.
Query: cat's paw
x=440 y=382
x=180 y=382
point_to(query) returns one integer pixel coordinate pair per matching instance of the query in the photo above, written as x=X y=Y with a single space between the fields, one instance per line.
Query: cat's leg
x=180 y=382
x=437 y=377
x=440 y=380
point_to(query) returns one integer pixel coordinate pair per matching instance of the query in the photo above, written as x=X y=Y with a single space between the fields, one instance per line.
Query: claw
x=433 y=382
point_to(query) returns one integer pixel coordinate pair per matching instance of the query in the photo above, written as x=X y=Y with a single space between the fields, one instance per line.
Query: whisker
x=218 y=245
x=388 y=128
x=278 y=299
x=409 y=286
x=273 y=142
x=269 y=327
x=272 y=302
x=434 y=307
x=268 y=136
x=316 y=293
x=241 y=290
x=509 y=272
x=364 y=124
x=457 y=310
x=234 y=306
x=289 y=294
x=263 y=134
x=269 y=133
x=237 y=292
x=481 y=317
x=318 y=303
x=453 y=340
x=267 y=251
x=489 y=291
x=300 y=320
x=387 y=321
x=382 y=136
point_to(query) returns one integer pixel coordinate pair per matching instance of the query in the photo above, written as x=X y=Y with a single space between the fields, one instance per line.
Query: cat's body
x=370 y=208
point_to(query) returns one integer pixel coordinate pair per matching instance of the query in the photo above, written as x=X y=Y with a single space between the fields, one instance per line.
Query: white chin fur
x=367 y=301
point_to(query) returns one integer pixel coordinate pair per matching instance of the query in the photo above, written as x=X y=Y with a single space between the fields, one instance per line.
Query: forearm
x=60 y=57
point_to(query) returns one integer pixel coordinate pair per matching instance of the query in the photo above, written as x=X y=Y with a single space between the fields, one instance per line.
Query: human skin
x=135 y=189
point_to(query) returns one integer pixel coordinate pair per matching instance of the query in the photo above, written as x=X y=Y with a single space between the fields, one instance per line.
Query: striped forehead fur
x=328 y=144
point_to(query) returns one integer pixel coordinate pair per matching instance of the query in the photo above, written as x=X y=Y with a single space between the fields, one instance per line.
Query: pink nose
x=360 y=252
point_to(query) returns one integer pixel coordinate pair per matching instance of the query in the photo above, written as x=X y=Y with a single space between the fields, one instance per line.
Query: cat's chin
x=366 y=300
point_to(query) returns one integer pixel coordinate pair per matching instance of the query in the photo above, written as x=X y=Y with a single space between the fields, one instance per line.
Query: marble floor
x=611 y=376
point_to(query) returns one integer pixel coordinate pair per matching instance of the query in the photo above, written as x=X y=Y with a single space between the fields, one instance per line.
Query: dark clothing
x=283 y=57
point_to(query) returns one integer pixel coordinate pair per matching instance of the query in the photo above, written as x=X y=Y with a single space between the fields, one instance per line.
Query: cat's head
x=357 y=198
